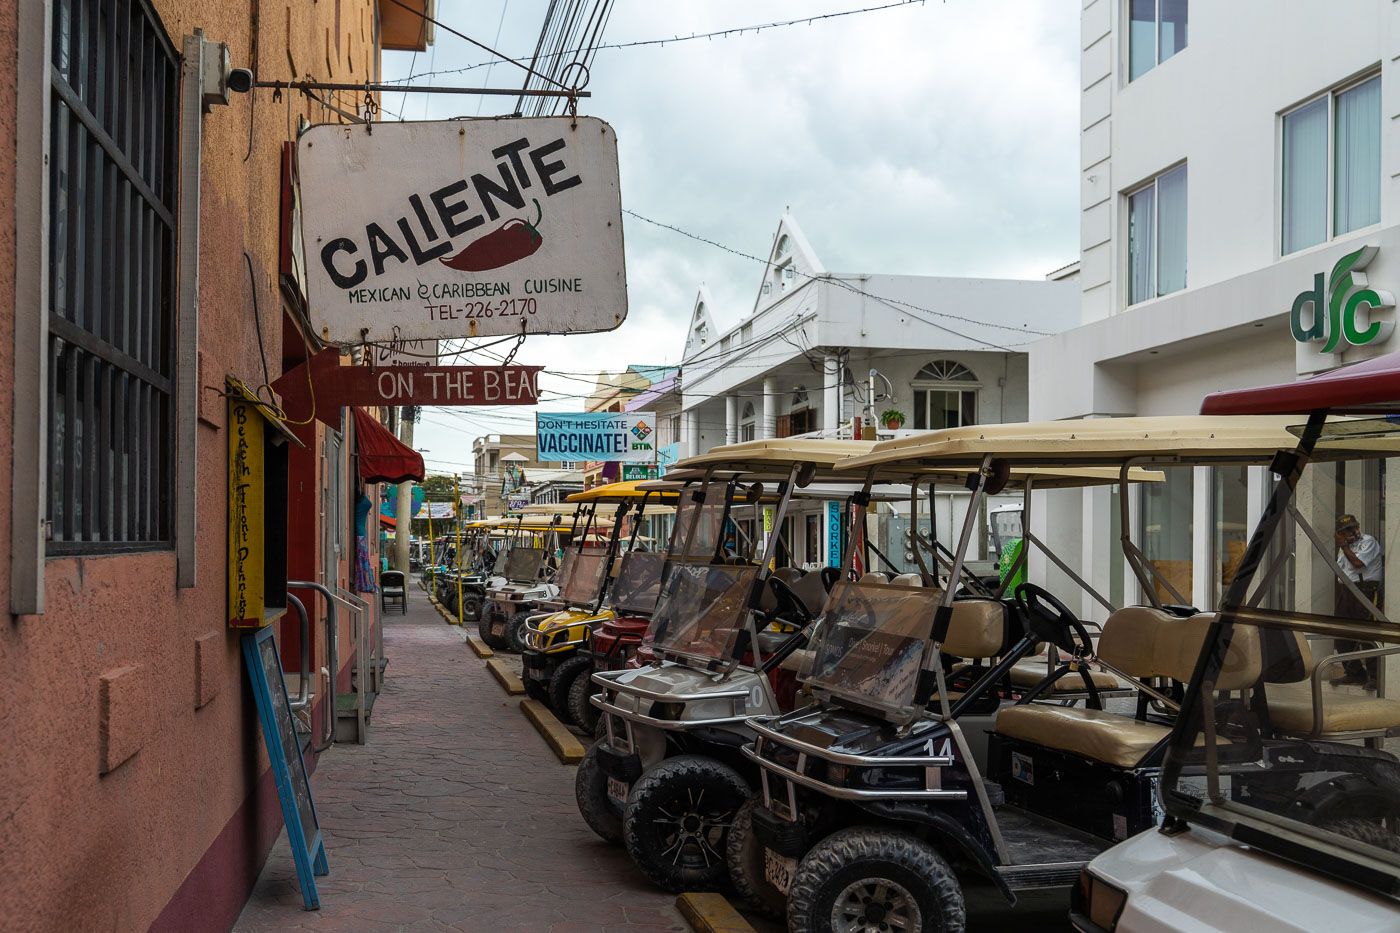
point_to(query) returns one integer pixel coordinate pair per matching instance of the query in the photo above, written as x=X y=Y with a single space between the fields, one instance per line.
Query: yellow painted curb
x=506 y=676
x=711 y=913
x=478 y=646
x=560 y=740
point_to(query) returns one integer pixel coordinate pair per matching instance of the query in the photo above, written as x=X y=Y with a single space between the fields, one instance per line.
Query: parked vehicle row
x=850 y=748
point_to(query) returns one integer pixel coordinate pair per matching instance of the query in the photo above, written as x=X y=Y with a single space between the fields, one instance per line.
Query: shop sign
x=246 y=517
x=1341 y=306
x=518 y=503
x=833 y=534
x=635 y=472
x=462 y=228
x=400 y=352
x=597 y=436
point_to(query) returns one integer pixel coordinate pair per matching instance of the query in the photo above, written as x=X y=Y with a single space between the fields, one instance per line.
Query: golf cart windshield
x=872 y=644
x=502 y=556
x=1288 y=738
x=581 y=574
x=638 y=583
x=707 y=517
x=702 y=610
x=523 y=563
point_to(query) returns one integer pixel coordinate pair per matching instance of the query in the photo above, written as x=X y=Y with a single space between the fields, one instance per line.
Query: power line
x=715 y=34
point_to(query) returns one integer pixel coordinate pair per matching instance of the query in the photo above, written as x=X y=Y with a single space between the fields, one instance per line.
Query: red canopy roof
x=383 y=457
x=1372 y=386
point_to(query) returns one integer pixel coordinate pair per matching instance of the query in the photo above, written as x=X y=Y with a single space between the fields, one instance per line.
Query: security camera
x=240 y=80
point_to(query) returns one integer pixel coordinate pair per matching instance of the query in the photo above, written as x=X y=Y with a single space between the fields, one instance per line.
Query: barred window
x=112 y=227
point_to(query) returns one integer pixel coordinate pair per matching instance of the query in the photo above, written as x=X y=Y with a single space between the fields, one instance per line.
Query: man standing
x=1359 y=558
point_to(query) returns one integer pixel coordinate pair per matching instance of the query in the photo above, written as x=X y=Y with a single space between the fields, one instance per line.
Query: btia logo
x=1335 y=313
x=641 y=430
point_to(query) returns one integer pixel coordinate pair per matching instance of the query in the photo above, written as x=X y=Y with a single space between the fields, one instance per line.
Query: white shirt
x=1367 y=550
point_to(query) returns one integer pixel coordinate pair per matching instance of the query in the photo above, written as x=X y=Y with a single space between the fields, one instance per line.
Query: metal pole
x=457 y=511
x=332 y=656
x=403 y=531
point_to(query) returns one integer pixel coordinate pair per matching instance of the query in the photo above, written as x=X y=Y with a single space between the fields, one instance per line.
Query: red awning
x=1372 y=386
x=383 y=457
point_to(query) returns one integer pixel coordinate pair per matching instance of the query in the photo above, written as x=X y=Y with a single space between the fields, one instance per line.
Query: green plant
x=892 y=415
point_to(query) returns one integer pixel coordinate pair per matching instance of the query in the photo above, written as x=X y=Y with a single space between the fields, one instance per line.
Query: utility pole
x=404 y=507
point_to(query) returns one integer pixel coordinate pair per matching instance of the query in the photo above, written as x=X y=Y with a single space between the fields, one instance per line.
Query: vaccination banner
x=606 y=436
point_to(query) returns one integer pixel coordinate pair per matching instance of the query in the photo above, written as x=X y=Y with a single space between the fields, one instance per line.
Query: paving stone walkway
x=455 y=817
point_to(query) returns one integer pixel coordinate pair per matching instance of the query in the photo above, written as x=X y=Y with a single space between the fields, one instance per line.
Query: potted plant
x=893 y=419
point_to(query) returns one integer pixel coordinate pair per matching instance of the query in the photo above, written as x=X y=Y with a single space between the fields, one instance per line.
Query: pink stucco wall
x=122 y=783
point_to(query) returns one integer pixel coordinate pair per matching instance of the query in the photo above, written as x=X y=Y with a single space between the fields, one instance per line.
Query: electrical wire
x=481 y=45
x=714 y=34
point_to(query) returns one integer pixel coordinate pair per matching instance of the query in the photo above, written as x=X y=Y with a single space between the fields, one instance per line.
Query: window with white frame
x=746 y=423
x=1331 y=166
x=1157 y=237
x=1156 y=32
x=945 y=396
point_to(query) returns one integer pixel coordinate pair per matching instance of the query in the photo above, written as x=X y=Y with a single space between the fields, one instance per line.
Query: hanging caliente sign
x=602 y=436
x=462 y=228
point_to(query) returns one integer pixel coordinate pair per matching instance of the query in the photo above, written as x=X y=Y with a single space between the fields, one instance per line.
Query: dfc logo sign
x=1345 y=310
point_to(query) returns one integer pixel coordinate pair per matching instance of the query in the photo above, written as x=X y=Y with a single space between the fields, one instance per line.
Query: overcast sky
x=935 y=138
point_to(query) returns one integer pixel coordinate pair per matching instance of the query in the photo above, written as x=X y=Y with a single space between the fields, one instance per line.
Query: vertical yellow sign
x=246 y=495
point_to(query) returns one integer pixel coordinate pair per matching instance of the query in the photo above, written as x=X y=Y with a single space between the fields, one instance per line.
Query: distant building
x=614 y=392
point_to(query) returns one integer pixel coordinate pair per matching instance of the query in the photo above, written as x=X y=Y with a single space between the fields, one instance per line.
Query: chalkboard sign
x=260 y=658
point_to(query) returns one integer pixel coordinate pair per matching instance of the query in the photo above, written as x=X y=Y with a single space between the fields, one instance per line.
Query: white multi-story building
x=1235 y=159
x=944 y=351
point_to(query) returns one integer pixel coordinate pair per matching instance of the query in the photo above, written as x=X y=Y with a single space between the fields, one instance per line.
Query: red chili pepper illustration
x=515 y=239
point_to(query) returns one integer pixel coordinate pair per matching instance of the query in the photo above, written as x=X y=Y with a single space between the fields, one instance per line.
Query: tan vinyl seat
x=1141 y=642
x=1291 y=710
x=811 y=591
x=1028 y=672
x=1107 y=737
x=977 y=629
x=875 y=576
x=908 y=579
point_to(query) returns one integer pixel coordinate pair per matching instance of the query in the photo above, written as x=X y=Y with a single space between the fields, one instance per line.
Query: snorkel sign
x=1345 y=311
x=461 y=228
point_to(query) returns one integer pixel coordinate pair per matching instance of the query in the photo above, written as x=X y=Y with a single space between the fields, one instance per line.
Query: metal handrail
x=303 y=699
x=333 y=656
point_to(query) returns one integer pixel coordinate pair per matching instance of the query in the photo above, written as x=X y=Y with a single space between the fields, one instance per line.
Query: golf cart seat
x=1030 y=671
x=875 y=576
x=812 y=591
x=908 y=579
x=1141 y=642
x=1291 y=711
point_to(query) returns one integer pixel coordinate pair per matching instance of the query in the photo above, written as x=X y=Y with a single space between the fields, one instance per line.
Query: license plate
x=537 y=673
x=497 y=628
x=778 y=869
x=617 y=790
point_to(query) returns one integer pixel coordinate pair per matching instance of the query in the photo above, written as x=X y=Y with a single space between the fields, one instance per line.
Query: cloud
x=937 y=139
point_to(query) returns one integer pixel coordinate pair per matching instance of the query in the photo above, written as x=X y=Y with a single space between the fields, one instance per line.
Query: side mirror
x=754 y=493
x=805 y=474
x=998 y=475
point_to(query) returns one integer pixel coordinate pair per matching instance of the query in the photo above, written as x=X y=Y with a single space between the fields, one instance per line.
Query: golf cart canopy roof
x=623 y=492
x=1371 y=387
x=771 y=459
x=1240 y=439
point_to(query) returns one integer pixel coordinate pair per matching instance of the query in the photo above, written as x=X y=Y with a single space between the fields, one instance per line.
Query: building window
x=1156 y=32
x=1332 y=165
x=111 y=317
x=1157 y=237
x=746 y=423
x=945 y=396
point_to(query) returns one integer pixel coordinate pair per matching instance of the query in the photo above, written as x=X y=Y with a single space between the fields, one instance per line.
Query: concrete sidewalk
x=456 y=816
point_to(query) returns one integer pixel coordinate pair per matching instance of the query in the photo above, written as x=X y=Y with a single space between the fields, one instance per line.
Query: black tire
x=564 y=676
x=515 y=633
x=677 y=822
x=602 y=813
x=600 y=728
x=471 y=607
x=1371 y=832
x=483 y=629
x=584 y=714
x=852 y=864
x=744 y=855
x=536 y=690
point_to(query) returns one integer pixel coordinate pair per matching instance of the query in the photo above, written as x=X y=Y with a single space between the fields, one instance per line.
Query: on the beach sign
x=572 y=436
x=462 y=228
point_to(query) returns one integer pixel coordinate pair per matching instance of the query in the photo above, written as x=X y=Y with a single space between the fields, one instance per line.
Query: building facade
x=819 y=351
x=500 y=462
x=1229 y=192
x=146 y=280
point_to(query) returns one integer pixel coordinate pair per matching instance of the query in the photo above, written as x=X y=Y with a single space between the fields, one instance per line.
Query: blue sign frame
x=260 y=656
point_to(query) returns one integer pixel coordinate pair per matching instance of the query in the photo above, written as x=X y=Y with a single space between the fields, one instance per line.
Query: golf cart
x=555 y=668
x=916 y=775
x=1281 y=784
x=667 y=775
x=528 y=568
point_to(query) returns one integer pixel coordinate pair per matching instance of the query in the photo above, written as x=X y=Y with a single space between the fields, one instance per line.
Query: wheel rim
x=691 y=833
x=875 y=905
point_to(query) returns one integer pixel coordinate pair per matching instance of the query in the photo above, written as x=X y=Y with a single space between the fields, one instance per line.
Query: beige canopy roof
x=772 y=458
x=1091 y=441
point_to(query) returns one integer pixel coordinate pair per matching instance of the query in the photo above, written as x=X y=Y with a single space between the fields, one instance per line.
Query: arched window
x=801 y=417
x=746 y=423
x=945 y=396
x=784 y=244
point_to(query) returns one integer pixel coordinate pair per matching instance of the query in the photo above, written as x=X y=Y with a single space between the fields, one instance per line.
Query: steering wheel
x=1050 y=620
x=787 y=600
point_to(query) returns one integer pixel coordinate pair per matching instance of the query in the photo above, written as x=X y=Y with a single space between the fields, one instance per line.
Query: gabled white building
x=947 y=351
